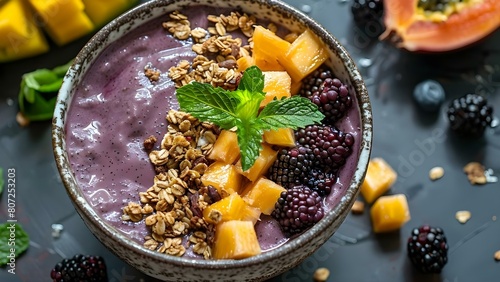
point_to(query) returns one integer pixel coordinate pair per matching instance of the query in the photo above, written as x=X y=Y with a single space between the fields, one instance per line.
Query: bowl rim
x=338 y=212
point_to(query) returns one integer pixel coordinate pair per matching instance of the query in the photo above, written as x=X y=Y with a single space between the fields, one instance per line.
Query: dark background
x=411 y=140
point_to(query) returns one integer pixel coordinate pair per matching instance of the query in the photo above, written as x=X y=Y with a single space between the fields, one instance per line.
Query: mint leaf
x=209 y=104
x=1 y=181
x=252 y=81
x=249 y=140
x=293 y=112
x=19 y=244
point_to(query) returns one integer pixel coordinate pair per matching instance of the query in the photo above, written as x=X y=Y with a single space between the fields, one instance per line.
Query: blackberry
x=80 y=268
x=429 y=95
x=367 y=15
x=291 y=166
x=320 y=181
x=297 y=209
x=428 y=249
x=469 y=115
x=313 y=83
x=330 y=146
x=333 y=101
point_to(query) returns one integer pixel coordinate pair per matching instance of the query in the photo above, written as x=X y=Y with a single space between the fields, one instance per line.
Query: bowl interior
x=275 y=11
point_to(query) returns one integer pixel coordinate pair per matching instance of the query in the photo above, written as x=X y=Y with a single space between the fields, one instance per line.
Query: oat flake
x=463 y=216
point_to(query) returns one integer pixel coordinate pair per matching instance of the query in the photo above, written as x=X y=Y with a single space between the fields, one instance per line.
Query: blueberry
x=429 y=95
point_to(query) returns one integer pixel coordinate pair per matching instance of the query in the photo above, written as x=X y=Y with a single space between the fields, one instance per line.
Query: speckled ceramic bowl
x=256 y=268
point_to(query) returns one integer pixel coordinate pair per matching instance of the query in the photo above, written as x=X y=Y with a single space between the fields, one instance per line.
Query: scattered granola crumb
x=152 y=74
x=462 y=216
x=22 y=120
x=358 y=207
x=497 y=255
x=475 y=173
x=436 y=173
x=321 y=274
x=56 y=230
x=149 y=143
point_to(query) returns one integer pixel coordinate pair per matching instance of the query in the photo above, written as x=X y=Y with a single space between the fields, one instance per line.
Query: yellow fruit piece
x=379 y=178
x=268 y=48
x=232 y=207
x=262 y=194
x=265 y=159
x=305 y=54
x=64 y=20
x=235 y=240
x=282 y=137
x=276 y=85
x=224 y=177
x=295 y=87
x=20 y=37
x=101 y=12
x=245 y=62
x=389 y=213
x=226 y=147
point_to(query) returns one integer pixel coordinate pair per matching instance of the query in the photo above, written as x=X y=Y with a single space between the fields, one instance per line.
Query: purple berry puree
x=116 y=107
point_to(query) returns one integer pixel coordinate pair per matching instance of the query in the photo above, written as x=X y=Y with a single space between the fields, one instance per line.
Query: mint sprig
x=240 y=109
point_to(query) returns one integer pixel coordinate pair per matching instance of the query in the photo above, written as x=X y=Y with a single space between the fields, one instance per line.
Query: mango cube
x=282 y=137
x=232 y=207
x=305 y=54
x=235 y=240
x=226 y=147
x=264 y=161
x=224 y=177
x=268 y=48
x=389 y=213
x=262 y=194
x=20 y=37
x=276 y=85
x=379 y=178
x=245 y=62
x=100 y=12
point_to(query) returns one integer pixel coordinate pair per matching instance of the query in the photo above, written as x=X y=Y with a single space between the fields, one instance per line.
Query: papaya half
x=439 y=25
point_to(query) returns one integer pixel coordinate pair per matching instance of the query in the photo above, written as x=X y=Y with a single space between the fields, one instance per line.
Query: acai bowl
x=142 y=172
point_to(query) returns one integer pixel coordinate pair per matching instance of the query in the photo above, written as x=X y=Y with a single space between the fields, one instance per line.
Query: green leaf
x=209 y=104
x=40 y=109
x=252 y=81
x=250 y=142
x=1 y=181
x=20 y=242
x=293 y=112
x=36 y=79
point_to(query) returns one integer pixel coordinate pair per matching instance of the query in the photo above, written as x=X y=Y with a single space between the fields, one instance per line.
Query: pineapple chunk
x=100 y=12
x=276 y=85
x=268 y=49
x=245 y=62
x=226 y=147
x=379 y=178
x=265 y=159
x=282 y=137
x=224 y=177
x=235 y=240
x=263 y=194
x=232 y=207
x=305 y=54
x=389 y=213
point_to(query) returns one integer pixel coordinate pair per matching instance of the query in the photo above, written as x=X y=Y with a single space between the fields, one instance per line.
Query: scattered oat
x=436 y=173
x=321 y=274
x=475 y=173
x=462 y=216
x=358 y=207
x=22 y=120
x=152 y=74
x=56 y=230
x=497 y=255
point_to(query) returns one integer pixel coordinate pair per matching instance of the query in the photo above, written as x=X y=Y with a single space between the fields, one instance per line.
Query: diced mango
x=226 y=147
x=282 y=137
x=379 y=178
x=224 y=177
x=262 y=194
x=295 y=87
x=20 y=37
x=276 y=85
x=245 y=62
x=101 y=12
x=235 y=240
x=305 y=54
x=268 y=48
x=389 y=213
x=264 y=161
x=232 y=207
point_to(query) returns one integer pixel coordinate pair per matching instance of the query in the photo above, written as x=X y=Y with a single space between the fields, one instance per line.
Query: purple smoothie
x=116 y=107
